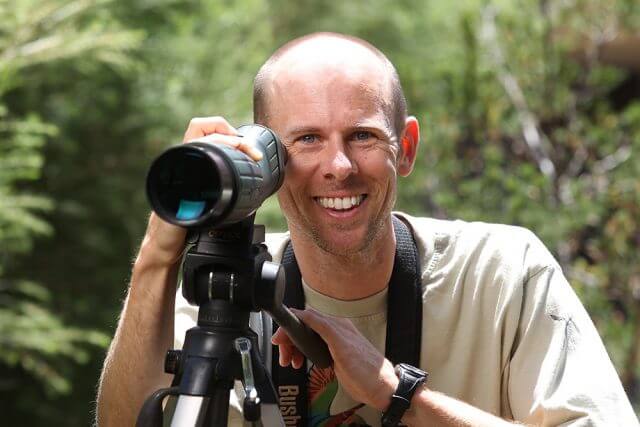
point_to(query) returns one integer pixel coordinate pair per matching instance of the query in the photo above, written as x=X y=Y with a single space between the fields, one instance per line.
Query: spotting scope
x=201 y=184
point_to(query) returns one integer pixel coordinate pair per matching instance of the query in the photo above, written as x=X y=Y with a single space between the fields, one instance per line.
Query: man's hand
x=218 y=131
x=360 y=368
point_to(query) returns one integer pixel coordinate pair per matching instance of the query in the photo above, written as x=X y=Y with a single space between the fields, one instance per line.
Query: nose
x=338 y=163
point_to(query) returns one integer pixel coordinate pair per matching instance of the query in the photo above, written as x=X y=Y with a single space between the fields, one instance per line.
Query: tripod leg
x=218 y=412
x=190 y=411
x=197 y=410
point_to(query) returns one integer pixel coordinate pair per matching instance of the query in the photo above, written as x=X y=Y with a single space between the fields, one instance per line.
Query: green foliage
x=21 y=160
x=35 y=339
x=39 y=346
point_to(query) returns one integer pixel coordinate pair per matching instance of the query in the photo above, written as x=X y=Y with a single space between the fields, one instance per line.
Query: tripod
x=228 y=273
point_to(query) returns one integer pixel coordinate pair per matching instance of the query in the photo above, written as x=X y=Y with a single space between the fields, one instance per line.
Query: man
x=504 y=338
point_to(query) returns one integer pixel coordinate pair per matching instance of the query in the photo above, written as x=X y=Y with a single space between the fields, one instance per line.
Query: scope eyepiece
x=202 y=184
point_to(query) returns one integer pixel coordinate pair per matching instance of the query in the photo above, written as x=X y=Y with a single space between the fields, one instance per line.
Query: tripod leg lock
x=251 y=404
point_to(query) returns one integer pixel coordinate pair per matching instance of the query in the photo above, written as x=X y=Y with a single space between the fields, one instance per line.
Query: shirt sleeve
x=560 y=372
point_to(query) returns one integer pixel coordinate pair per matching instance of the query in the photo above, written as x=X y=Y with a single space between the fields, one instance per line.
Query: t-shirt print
x=323 y=387
x=329 y=404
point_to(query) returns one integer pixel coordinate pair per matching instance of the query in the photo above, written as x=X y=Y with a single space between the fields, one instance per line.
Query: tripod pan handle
x=305 y=339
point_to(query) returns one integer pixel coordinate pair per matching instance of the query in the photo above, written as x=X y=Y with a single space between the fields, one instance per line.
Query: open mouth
x=341 y=203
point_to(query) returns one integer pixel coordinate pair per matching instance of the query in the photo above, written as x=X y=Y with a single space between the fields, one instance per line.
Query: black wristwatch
x=410 y=379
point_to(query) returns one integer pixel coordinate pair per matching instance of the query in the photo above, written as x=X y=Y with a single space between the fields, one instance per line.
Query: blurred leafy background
x=530 y=111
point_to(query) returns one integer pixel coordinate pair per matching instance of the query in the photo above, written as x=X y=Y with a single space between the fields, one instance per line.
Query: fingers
x=218 y=130
x=297 y=359
x=236 y=142
x=288 y=353
x=332 y=330
x=329 y=328
x=313 y=319
x=203 y=126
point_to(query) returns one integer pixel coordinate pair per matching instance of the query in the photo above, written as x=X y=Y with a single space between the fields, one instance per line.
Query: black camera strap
x=404 y=322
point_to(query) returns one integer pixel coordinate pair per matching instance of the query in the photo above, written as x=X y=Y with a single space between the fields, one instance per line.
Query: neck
x=347 y=277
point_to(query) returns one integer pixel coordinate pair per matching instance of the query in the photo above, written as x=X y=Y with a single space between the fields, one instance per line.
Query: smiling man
x=332 y=104
x=502 y=334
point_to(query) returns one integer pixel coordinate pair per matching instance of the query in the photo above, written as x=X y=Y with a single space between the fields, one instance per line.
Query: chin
x=346 y=244
x=342 y=250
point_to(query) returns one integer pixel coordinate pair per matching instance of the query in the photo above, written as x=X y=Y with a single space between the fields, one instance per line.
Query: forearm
x=430 y=408
x=133 y=367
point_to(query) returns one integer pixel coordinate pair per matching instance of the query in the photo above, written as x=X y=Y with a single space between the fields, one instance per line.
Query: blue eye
x=362 y=135
x=308 y=139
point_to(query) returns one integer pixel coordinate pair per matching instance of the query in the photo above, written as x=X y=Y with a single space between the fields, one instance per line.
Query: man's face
x=340 y=183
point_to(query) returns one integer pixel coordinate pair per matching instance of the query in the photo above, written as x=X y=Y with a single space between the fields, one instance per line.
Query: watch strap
x=410 y=378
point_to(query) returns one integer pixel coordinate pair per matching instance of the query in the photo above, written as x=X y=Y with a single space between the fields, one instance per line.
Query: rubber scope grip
x=248 y=182
x=274 y=155
x=255 y=181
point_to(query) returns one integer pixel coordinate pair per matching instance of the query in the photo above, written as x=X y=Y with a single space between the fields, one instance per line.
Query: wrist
x=162 y=245
x=411 y=416
x=152 y=256
x=390 y=383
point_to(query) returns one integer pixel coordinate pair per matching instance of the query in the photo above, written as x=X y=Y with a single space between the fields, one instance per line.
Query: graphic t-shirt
x=329 y=404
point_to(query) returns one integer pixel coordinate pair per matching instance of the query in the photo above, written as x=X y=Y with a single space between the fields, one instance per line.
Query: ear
x=408 y=146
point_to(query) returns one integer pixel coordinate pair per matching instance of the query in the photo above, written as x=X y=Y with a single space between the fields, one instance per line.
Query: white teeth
x=340 y=203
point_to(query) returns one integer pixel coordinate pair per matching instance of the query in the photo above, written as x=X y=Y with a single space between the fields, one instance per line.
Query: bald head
x=318 y=53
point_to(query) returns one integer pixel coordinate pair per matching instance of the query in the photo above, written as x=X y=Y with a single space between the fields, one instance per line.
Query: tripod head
x=232 y=264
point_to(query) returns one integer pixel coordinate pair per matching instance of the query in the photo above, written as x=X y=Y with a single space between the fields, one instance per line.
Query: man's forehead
x=316 y=80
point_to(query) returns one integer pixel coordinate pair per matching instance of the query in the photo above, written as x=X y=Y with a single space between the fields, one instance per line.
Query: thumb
x=312 y=319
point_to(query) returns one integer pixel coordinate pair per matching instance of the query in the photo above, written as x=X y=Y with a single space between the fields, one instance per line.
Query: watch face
x=412 y=369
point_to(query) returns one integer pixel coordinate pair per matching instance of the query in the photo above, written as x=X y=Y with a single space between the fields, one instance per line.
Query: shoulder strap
x=291 y=384
x=404 y=321
x=404 y=306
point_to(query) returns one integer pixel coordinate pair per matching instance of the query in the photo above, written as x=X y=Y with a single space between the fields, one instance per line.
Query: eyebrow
x=300 y=130
x=367 y=125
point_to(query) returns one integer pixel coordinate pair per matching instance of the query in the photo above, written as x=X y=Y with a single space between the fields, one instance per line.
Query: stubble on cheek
x=294 y=213
x=376 y=225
